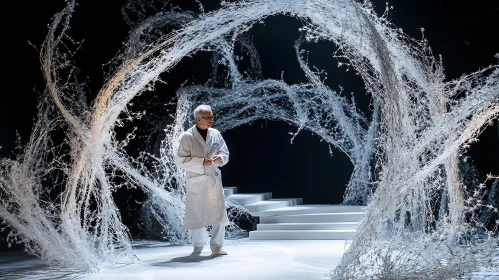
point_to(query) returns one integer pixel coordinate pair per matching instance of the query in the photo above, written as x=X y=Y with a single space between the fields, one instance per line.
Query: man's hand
x=207 y=162
x=217 y=159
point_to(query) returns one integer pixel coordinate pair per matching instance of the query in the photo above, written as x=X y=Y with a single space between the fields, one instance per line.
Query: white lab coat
x=205 y=204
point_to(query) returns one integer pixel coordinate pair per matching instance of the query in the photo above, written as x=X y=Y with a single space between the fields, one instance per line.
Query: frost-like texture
x=421 y=220
x=79 y=228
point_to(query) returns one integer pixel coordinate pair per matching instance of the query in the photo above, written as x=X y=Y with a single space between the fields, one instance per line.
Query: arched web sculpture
x=419 y=127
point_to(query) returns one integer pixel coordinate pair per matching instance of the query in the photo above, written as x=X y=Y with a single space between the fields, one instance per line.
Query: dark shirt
x=203 y=132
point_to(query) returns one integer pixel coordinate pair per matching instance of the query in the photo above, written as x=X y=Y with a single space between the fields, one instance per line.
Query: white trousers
x=217 y=237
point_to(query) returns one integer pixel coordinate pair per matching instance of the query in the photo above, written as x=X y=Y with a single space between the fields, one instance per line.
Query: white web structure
x=420 y=125
x=312 y=106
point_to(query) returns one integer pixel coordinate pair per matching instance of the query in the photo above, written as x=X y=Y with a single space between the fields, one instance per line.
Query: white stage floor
x=246 y=259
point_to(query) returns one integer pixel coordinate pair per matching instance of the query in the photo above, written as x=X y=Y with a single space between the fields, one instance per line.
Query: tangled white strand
x=419 y=128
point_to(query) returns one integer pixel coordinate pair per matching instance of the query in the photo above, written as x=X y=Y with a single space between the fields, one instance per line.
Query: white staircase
x=289 y=218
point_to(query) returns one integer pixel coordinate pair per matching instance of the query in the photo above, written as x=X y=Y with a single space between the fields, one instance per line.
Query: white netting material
x=420 y=125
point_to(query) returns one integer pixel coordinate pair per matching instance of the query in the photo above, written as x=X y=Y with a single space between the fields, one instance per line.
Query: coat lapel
x=208 y=135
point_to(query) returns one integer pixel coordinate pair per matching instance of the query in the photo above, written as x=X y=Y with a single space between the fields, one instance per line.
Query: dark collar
x=203 y=132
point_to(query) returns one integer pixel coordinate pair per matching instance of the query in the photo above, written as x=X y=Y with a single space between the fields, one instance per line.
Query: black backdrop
x=262 y=158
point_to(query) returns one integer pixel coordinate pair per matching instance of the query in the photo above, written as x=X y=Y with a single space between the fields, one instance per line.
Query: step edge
x=265 y=213
x=305 y=230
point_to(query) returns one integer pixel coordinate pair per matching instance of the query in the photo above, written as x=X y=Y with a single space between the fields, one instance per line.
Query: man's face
x=206 y=120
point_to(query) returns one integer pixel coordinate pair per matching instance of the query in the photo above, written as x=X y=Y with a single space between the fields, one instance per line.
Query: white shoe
x=218 y=253
x=197 y=251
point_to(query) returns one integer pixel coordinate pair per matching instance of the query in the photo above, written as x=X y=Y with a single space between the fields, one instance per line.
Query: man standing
x=201 y=152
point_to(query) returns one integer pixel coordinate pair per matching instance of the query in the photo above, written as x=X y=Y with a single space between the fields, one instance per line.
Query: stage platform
x=246 y=259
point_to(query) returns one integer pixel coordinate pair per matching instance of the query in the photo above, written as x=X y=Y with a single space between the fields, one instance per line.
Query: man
x=201 y=152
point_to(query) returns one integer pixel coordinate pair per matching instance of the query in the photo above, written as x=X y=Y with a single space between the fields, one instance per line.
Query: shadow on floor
x=141 y=244
x=189 y=259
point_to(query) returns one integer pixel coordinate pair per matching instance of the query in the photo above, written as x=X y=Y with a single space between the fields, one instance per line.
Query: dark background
x=262 y=158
